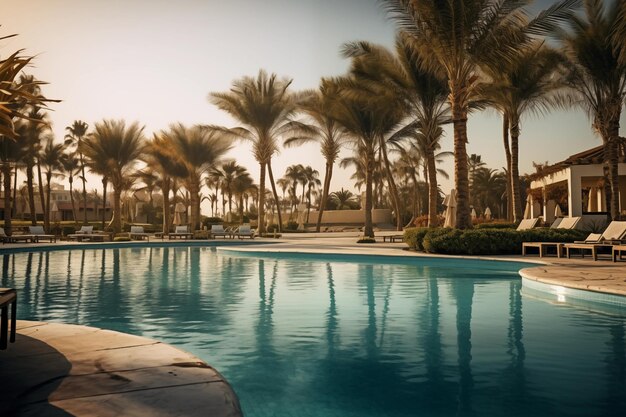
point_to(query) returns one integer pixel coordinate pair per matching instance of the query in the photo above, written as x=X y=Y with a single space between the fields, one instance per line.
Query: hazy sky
x=155 y=61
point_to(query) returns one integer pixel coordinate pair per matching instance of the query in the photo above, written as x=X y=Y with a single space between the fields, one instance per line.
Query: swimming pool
x=307 y=335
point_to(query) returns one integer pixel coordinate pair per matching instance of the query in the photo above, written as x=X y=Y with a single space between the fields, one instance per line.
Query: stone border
x=62 y=369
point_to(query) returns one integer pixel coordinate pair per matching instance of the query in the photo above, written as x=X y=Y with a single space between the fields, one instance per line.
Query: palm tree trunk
x=31 y=195
x=261 y=217
x=41 y=191
x=461 y=180
x=105 y=182
x=509 y=181
x=613 y=159
x=517 y=203
x=82 y=163
x=327 y=178
x=273 y=184
x=432 y=189
x=71 y=181
x=46 y=218
x=165 y=189
x=368 y=230
x=14 y=191
x=194 y=200
x=117 y=208
x=395 y=198
x=6 y=177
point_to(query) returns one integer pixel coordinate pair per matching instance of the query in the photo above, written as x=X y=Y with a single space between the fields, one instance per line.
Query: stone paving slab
x=60 y=370
x=591 y=276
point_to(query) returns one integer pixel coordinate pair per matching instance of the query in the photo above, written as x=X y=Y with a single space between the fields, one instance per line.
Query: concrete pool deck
x=61 y=370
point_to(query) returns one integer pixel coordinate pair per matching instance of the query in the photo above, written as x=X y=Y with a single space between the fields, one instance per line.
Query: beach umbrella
x=488 y=213
x=54 y=211
x=528 y=205
x=557 y=211
x=450 y=218
x=179 y=209
x=473 y=213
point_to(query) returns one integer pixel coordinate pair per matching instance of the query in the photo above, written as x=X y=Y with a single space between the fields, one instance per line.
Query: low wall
x=379 y=216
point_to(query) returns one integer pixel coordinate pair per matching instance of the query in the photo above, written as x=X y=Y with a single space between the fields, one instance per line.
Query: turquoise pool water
x=344 y=336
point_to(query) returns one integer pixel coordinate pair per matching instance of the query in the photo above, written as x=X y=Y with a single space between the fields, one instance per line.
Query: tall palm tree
x=463 y=37
x=312 y=181
x=594 y=46
x=198 y=149
x=367 y=115
x=528 y=83
x=74 y=137
x=330 y=135
x=265 y=107
x=112 y=150
x=242 y=184
x=52 y=156
x=231 y=172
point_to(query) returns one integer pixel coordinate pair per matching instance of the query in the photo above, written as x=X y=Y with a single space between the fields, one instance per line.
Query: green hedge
x=499 y=241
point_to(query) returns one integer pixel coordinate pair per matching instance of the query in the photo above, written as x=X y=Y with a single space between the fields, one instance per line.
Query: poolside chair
x=137 y=232
x=614 y=234
x=39 y=234
x=564 y=223
x=84 y=232
x=181 y=232
x=555 y=224
x=527 y=224
x=218 y=230
x=568 y=222
x=244 y=231
x=15 y=238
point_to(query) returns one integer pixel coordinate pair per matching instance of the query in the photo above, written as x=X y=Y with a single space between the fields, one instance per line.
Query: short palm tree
x=52 y=156
x=343 y=200
x=330 y=136
x=112 y=150
x=197 y=149
x=265 y=107
x=462 y=37
x=595 y=47
x=75 y=135
x=231 y=172
x=72 y=166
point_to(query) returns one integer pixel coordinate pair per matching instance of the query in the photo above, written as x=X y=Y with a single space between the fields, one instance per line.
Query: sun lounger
x=393 y=238
x=568 y=223
x=244 y=231
x=39 y=234
x=137 y=232
x=85 y=233
x=555 y=224
x=528 y=224
x=8 y=296
x=614 y=234
x=618 y=252
x=15 y=238
x=564 y=223
x=181 y=232
x=218 y=230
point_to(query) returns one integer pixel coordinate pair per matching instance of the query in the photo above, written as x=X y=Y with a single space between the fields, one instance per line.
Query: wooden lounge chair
x=393 y=238
x=85 y=232
x=137 y=232
x=244 y=231
x=564 y=223
x=528 y=224
x=15 y=238
x=618 y=252
x=181 y=232
x=8 y=296
x=614 y=234
x=39 y=234
x=555 y=224
x=218 y=230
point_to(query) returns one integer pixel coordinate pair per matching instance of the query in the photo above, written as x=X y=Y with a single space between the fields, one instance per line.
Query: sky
x=156 y=61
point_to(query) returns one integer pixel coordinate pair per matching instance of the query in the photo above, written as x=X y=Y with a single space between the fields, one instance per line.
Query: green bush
x=496 y=226
x=68 y=230
x=499 y=241
x=366 y=240
x=209 y=221
x=414 y=236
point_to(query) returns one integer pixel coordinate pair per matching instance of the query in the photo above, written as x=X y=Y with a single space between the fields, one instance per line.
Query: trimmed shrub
x=496 y=226
x=414 y=236
x=492 y=241
x=366 y=240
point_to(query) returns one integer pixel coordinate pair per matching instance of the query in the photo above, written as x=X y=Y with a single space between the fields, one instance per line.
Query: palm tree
x=197 y=149
x=242 y=184
x=366 y=115
x=112 y=150
x=343 y=200
x=528 y=83
x=488 y=188
x=231 y=172
x=52 y=156
x=594 y=47
x=71 y=166
x=74 y=137
x=265 y=107
x=158 y=155
x=330 y=135
x=311 y=177
x=462 y=37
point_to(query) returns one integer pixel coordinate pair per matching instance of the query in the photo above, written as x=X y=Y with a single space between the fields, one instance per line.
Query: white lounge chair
x=527 y=224
x=244 y=231
x=181 y=232
x=137 y=232
x=218 y=230
x=40 y=234
x=569 y=223
x=614 y=234
x=85 y=232
x=15 y=238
